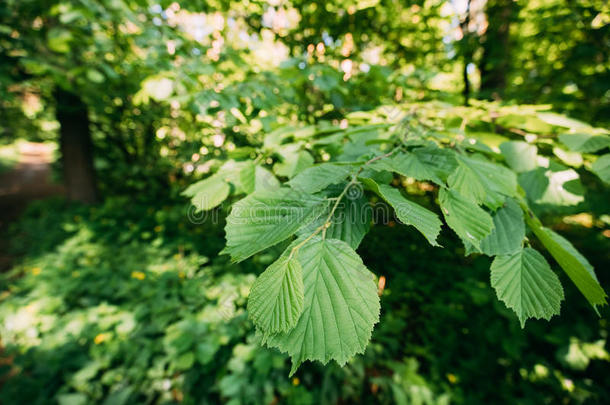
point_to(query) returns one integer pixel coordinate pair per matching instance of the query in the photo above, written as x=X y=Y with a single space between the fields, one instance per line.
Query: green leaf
x=466 y=182
x=316 y=178
x=408 y=212
x=350 y=222
x=561 y=120
x=256 y=178
x=409 y=165
x=520 y=156
x=496 y=181
x=276 y=299
x=341 y=305
x=293 y=161
x=508 y=233
x=208 y=193
x=571 y=261
x=557 y=186
x=266 y=218
x=424 y=163
x=525 y=282
x=585 y=142
x=601 y=167
x=469 y=221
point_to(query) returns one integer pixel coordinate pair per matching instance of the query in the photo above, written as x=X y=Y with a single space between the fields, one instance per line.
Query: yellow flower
x=296 y=381
x=138 y=274
x=452 y=378
x=100 y=338
x=36 y=271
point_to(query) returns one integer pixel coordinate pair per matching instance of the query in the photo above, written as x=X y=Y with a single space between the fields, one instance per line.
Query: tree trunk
x=495 y=60
x=75 y=146
x=466 y=52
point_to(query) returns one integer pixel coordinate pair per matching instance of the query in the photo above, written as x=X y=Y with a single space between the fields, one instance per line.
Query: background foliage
x=172 y=91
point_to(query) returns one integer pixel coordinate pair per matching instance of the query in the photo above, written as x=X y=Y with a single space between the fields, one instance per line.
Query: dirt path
x=30 y=179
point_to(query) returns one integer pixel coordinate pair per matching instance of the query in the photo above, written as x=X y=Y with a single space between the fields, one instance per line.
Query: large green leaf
x=276 y=299
x=469 y=221
x=508 y=233
x=408 y=212
x=341 y=305
x=266 y=218
x=208 y=193
x=316 y=178
x=571 y=261
x=350 y=222
x=525 y=282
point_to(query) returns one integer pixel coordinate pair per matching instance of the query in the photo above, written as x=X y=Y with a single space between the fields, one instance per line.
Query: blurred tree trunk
x=75 y=146
x=466 y=50
x=495 y=60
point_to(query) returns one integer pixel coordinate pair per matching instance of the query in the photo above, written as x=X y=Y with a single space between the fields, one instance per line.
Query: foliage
x=309 y=130
x=91 y=287
x=483 y=201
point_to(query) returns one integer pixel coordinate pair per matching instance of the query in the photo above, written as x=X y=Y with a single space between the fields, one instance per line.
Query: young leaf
x=208 y=193
x=572 y=262
x=316 y=178
x=408 y=212
x=471 y=223
x=508 y=233
x=525 y=282
x=276 y=299
x=266 y=218
x=341 y=305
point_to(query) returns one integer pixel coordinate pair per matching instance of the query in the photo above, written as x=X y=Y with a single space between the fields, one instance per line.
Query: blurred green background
x=113 y=292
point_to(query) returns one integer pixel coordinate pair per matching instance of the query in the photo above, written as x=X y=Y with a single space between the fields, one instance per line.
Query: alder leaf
x=469 y=221
x=257 y=178
x=316 y=178
x=485 y=182
x=465 y=181
x=508 y=233
x=208 y=193
x=294 y=160
x=408 y=212
x=276 y=298
x=266 y=218
x=525 y=282
x=572 y=262
x=341 y=305
x=350 y=222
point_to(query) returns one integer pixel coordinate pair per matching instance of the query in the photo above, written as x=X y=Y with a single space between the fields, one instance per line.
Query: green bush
x=122 y=304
